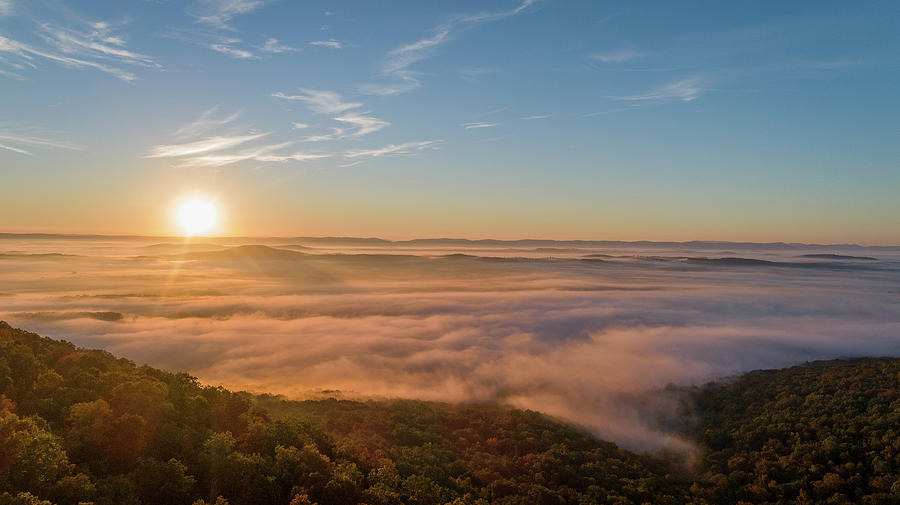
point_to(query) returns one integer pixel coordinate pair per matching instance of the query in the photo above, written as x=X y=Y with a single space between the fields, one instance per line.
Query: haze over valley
x=589 y=332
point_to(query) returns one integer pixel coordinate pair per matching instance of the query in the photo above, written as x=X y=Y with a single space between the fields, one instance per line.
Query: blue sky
x=545 y=118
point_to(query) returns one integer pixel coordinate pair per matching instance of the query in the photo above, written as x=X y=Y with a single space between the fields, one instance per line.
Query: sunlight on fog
x=589 y=332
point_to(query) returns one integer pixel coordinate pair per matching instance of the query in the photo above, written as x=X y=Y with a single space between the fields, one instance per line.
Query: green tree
x=162 y=482
x=22 y=499
x=31 y=457
x=90 y=427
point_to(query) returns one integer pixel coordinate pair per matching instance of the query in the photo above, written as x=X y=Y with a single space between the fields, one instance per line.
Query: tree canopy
x=81 y=426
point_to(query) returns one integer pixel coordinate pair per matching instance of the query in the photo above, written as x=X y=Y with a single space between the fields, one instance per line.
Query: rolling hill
x=82 y=426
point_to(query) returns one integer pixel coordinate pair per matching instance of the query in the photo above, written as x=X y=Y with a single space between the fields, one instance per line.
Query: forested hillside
x=80 y=426
x=825 y=432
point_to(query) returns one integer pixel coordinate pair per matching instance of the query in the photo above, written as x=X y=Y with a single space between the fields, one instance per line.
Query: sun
x=197 y=216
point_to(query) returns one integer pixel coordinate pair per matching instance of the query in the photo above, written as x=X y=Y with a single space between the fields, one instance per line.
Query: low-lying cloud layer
x=591 y=335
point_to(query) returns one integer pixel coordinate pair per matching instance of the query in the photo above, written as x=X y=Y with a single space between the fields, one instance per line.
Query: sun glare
x=197 y=216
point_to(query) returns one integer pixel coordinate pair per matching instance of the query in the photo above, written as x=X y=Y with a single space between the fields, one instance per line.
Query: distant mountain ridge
x=364 y=241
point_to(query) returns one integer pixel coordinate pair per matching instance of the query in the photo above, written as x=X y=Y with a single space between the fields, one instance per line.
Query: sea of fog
x=591 y=332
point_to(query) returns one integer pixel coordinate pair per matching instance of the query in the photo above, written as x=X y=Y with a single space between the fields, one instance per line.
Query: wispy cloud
x=537 y=116
x=686 y=90
x=97 y=42
x=272 y=46
x=206 y=145
x=6 y=7
x=225 y=148
x=93 y=45
x=15 y=149
x=298 y=126
x=11 y=74
x=405 y=148
x=16 y=141
x=364 y=122
x=218 y=13
x=214 y=152
x=329 y=102
x=325 y=102
x=330 y=43
x=336 y=133
x=469 y=126
x=398 y=60
x=260 y=153
x=205 y=122
x=620 y=55
x=292 y=157
x=228 y=158
x=228 y=45
x=241 y=54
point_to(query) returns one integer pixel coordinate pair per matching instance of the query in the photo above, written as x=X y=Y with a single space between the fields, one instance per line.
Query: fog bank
x=588 y=332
